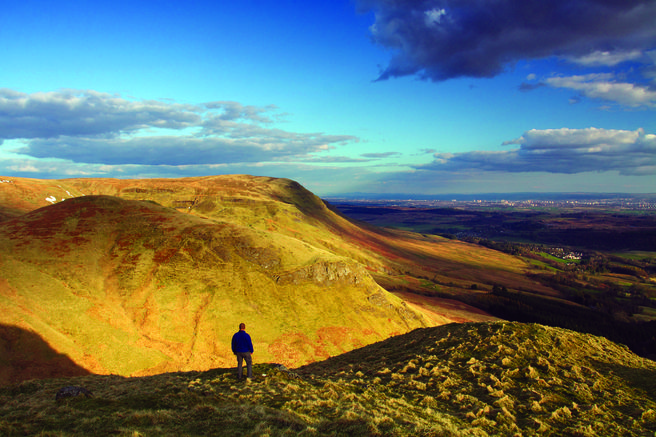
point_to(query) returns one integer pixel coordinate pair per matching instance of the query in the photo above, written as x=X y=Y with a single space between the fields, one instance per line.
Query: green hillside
x=472 y=379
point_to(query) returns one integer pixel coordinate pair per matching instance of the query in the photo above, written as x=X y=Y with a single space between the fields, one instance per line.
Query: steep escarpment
x=132 y=287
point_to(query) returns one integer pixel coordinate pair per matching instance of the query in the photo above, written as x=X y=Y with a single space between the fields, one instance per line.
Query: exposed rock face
x=325 y=273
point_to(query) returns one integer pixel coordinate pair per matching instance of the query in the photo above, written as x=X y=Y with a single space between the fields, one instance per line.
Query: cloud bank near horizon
x=72 y=133
x=563 y=151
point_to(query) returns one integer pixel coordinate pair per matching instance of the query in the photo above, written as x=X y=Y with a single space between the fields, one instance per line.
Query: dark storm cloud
x=98 y=128
x=565 y=151
x=444 y=39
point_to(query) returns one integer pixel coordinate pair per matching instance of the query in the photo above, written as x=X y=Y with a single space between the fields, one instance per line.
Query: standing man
x=242 y=347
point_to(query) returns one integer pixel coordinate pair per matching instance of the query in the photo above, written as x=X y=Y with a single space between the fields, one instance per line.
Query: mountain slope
x=144 y=276
x=398 y=260
x=132 y=287
x=473 y=379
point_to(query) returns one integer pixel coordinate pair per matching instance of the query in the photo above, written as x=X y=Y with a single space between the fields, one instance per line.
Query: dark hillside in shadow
x=25 y=355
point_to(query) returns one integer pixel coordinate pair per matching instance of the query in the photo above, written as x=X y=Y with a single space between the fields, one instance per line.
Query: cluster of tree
x=502 y=246
x=590 y=262
x=609 y=297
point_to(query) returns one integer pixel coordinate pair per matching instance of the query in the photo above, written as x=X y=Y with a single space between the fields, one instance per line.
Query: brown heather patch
x=164 y=255
x=343 y=339
x=288 y=348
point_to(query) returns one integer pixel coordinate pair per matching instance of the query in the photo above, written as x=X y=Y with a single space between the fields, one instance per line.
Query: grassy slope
x=172 y=285
x=132 y=287
x=474 y=379
x=399 y=260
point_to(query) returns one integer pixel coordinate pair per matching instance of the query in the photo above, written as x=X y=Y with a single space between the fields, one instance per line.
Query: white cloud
x=75 y=112
x=434 y=16
x=236 y=111
x=536 y=139
x=606 y=58
x=23 y=168
x=566 y=151
x=98 y=128
x=604 y=87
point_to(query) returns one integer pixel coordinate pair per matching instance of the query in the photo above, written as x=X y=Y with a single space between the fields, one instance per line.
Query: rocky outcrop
x=324 y=273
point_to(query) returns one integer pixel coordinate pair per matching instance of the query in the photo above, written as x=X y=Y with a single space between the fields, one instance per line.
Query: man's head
x=242 y=326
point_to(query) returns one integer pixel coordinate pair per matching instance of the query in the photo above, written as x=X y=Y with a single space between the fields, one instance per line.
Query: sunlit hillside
x=399 y=260
x=143 y=276
x=131 y=287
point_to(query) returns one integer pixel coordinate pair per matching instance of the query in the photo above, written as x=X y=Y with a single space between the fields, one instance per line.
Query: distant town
x=619 y=202
x=565 y=226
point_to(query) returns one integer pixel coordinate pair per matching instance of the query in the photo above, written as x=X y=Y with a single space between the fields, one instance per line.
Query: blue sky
x=374 y=96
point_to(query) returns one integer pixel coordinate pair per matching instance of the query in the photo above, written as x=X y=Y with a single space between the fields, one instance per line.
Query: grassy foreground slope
x=132 y=287
x=472 y=379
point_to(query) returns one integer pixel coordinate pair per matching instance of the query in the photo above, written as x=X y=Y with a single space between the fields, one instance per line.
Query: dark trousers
x=241 y=356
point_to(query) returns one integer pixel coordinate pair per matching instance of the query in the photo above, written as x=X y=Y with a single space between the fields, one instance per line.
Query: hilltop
x=474 y=379
x=398 y=260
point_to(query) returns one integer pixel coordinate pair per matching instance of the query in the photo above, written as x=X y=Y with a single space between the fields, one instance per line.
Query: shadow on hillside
x=25 y=355
x=641 y=379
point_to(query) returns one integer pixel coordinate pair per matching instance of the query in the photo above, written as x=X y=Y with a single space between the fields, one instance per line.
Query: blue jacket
x=241 y=342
